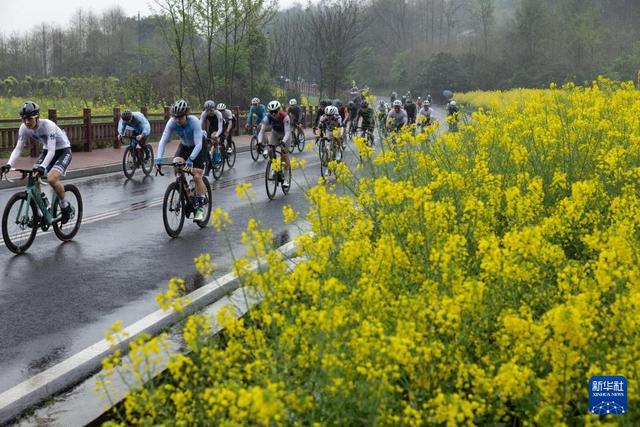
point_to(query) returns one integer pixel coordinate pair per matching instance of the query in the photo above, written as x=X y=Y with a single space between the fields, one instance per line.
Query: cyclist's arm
x=263 y=124
x=250 y=115
x=287 y=129
x=121 y=127
x=229 y=122
x=405 y=118
x=197 y=140
x=15 y=154
x=203 y=120
x=166 y=134
x=218 y=115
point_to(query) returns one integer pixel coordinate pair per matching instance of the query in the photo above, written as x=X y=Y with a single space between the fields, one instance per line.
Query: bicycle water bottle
x=44 y=199
x=192 y=187
x=217 y=156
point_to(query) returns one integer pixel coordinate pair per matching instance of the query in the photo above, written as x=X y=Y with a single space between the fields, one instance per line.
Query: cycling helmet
x=365 y=104
x=127 y=115
x=273 y=106
x=325 y=102
x=452 y=102
x=255 y=101
x=426 y=104
x=352 y=104
x=179 y=108
x=293 y=101
x=221 y=107
x=209 y=105
x=337 y=103
x=331 y=110
x=397 y=103
x=29 y=109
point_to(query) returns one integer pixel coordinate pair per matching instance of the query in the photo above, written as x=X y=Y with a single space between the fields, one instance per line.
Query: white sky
x=16 y=16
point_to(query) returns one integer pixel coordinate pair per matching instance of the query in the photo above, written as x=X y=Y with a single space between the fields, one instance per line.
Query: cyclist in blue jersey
x=258 y=110
x=140 y=125
x=190 y=150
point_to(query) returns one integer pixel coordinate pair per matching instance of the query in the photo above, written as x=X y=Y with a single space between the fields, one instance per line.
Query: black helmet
x=337 y=103
x=352 y=104
x=365 y=104
x=325 y=102
x=179 y=108
x=29 y=109
x=127 y=115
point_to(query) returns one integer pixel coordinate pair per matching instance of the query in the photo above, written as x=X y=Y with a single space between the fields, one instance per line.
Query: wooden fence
x=87 y=130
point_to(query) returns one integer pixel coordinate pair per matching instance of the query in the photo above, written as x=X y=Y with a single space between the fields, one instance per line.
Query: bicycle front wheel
x=19 y=223
x=231 y=153
x=147 y=159
x=68 y=230
x=300 y=138
x=208 y=206
x=255 y=149
x=324 y=159
x=128 y=163
x=270 y=181
x=173 y=210
x=217 y=162
x=286 y=178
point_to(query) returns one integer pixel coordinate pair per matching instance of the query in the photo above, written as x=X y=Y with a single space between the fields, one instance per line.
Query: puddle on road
x=55 y=356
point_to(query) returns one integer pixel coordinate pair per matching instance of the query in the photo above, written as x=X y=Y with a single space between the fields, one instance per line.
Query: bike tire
x=10 y=241
x=324 y=159
x=172 y=210
x=231 y=158
x=287 y=179
x=301 y=140
x=147 y=159
x=217 y=167
x=207 y=213
x=67 y=231
x=255 y=148
x=128 y=163
x=270 y=184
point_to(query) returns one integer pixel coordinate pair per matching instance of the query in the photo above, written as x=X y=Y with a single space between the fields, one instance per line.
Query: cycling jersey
x=426 y=112
x=367 y=118
x=212 y=124
x=138 y=123
x=259 y=111
x=399 y=118
x=48 y=133
x=329 y=123
x=191 y=135
x=280 y=124
x=295 y=113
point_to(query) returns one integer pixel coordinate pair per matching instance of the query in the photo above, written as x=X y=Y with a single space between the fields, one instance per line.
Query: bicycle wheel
x=300 y=138
x=68 y=230
x=231 y=156
x=147 y=159
x=173 y=210
x=286 y=178
x=128 y=163
x=337 y=152
x=255 y=148
x=270 y=181
x=19 y=223
x=207 y=209
x=324 y=159
x=217 y=162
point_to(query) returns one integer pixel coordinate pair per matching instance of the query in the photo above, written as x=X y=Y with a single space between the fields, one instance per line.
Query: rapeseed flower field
x=470 y=278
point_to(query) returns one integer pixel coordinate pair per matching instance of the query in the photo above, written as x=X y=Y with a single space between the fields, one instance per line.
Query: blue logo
x=608 y=395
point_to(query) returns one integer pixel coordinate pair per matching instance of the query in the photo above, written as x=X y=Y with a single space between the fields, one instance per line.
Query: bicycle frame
x=33 y=193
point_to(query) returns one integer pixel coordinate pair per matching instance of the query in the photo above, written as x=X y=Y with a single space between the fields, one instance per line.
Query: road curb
x=78 y=367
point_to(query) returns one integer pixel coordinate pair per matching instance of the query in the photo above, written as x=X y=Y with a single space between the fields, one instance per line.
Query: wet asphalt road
x=60 y=298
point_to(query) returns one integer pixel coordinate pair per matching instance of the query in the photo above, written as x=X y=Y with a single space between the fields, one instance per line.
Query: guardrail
x=87 y=130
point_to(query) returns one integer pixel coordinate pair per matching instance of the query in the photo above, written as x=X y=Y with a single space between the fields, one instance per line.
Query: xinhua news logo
x=608 y=395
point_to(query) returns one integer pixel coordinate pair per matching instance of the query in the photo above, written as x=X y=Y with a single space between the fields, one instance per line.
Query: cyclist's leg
x=56 y=169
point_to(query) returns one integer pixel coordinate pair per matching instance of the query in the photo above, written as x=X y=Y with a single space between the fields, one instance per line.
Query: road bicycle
x=179 y=200
x=366 y=133
x=330 y=149
x=28 y=210
x=218 y=155
x=299 y=138
x=273 y=178
x=256 y=147
x=136 y=155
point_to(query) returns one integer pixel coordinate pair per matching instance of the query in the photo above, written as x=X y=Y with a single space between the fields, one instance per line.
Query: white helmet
x=397 y=103
x=452 y=102
x=426 y=104
x=293 y=101
x=331 y=110
x=273 y=106
x=221 y=107
x=255 y=101
x=386 y=105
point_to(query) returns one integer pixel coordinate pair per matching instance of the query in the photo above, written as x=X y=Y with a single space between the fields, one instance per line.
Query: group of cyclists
x=216 y=123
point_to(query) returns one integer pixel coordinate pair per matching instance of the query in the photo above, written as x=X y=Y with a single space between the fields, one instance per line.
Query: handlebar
x=179 y=167
x=24 y=172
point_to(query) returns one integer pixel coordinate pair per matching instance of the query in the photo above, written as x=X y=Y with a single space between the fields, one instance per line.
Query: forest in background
x=232 y=50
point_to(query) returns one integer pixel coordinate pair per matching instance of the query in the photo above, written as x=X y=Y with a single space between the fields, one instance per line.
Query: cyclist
x=211 y=123
x=397 y=117
x=295 y=112
x=322 y=105
x=429 y=98
x=393 y=96
x=425 y=113
x=352 y=109
x=382 y=111
x=452 y=115
x=280 y=132
x=140 y=125
x=410 y=108
x=419 y=103
x=329 y=121
x=56 y=151
x=190 y=151
x=256 y=109
x=229 y=121
x=366 y=115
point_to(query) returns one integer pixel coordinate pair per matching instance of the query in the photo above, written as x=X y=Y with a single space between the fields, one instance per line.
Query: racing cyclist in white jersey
x=280 y=132
x=187 y=127
x=229 y=121
x=56 y=151
x=397 y=117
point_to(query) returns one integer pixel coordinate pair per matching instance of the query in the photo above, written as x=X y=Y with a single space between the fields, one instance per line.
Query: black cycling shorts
x=184 y=152
x=60 y=162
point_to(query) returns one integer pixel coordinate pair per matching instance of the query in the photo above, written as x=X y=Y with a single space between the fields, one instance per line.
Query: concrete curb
x=76 y=368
